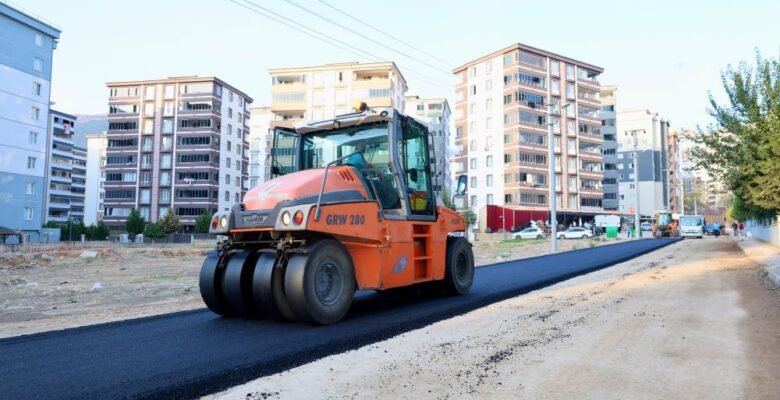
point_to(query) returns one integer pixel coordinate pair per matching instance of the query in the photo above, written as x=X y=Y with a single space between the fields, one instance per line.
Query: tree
x=203 y=222
x=97 y=232
x=446 y=198
x=135 y=223
x=470 y=217
x=153 y=231
x=170 y=223
x=743 y=150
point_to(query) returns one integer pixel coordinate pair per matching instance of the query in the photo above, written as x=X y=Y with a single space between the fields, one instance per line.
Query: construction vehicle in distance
x=350 y=206
x=664 y=225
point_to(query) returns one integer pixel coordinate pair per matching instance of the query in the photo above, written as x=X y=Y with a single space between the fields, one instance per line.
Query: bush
x=97 y=232
x=134 y=224
x=202 y=223
x=153 y=231
x=170 y=223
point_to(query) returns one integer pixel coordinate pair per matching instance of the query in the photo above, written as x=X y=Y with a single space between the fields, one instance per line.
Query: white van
x=692 y=226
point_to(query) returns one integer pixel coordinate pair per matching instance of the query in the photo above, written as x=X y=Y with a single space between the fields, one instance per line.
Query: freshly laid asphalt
x=189 y=354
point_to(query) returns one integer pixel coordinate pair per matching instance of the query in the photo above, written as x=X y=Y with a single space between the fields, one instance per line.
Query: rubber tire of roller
x=237 y=283
x=458 y=282
x=210 y=283
x=299 y=283
x=268 y=288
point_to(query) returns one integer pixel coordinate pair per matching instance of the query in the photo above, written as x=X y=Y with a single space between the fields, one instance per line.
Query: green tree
x=97 y=232
x=170 y=223
x=203 y=222
x=470 y=217
x=153 y=231
x=743 y=150
x=446 y=198
x=135 y=223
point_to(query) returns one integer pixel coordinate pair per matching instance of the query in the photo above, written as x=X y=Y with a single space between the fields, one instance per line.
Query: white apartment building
x=260 y=141
x=96 y=178
x=322 y=92
x=435 y=113
x=501 y=128
x=650 y=130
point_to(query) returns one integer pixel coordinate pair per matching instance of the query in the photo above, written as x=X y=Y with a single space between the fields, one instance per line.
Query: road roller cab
x=350 y=206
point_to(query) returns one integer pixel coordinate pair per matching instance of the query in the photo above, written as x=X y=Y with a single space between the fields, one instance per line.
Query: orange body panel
x=302 y=183
x=388 y=253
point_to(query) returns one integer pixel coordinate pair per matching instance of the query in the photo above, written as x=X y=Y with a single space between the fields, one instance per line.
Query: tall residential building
x=66 y=171
x=175 y=144
x=609 y=147
x=259 y=144
x=501 y=130
x=26 y=52
x=435 y=113
x=321 y=92
x=96 y=178
x=674 y=174
x=650 y=131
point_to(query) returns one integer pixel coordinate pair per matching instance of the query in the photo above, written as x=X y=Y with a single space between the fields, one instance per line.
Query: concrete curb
x=763 y=253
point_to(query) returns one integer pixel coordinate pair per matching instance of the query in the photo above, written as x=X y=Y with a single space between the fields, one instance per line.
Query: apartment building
x=645 y=133
x=322 y=92
x=66 y=171
x=260 y=141
x=96 y=177
x=27 y=46
x=609 y=147
x=674 y=165
x=501 y=130
x=175 y=144
x=435 y=113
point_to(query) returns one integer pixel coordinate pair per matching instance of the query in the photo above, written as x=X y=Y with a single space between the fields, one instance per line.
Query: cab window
x=283 y=156
x=414 y=159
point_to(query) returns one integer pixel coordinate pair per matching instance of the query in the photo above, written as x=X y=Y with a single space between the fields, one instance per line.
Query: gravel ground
x=696 y=319
x=59 y=289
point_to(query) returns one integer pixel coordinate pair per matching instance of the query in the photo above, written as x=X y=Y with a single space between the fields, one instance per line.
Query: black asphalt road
x=195 y=353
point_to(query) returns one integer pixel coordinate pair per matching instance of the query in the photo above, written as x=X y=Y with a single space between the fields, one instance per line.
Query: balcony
x=372 y=83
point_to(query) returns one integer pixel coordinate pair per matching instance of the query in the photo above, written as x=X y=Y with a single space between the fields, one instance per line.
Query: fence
x=33 y=247
x=767 y=230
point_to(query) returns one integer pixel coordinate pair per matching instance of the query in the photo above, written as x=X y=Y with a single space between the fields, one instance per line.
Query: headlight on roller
x=286 y=218
x=223 y=222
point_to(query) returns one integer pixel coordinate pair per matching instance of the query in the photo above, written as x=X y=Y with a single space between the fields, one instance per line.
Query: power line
x=341 y=44
x=346 y=28
x=449 y=64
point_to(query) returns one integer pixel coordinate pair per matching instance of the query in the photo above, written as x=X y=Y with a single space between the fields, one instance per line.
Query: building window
x=489 y=161
x=39 y=40
x=31 y=162
x=489 y=199
x=167 y=125
x=149 y=109
x=555 y=68
x=488 y=85
x=149 y=126
x=569 y=71
x=165 y=161
x=473 y=182
x=36 y=89
x=149 y=92
x=38 y=64
x=238 y=198
x=489 y=181
x=227 y=195
x=35 y=113
x=473 y=163
x=30 y=188
x=32 y=138
x=29 y=213
x=168 y=109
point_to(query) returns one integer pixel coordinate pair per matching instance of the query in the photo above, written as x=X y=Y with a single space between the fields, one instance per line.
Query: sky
x=665 y=56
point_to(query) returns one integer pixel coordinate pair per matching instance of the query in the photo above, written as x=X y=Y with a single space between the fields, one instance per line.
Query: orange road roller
x=350 y=206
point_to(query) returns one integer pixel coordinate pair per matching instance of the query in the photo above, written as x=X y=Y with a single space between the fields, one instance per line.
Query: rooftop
x=179 y=79
x=524 y=47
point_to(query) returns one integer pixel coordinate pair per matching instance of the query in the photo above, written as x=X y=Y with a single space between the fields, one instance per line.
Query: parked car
x=529 y=233
x=575 y=232
x=712 y=230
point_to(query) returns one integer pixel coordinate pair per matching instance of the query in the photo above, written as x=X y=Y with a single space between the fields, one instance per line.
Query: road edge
x=763 y=253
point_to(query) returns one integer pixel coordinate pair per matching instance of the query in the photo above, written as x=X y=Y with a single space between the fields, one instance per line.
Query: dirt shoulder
x=58 y=289
x=697 y=318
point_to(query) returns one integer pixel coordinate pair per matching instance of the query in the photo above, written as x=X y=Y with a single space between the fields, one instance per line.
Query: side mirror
x=275 y=170
x=460 y=190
